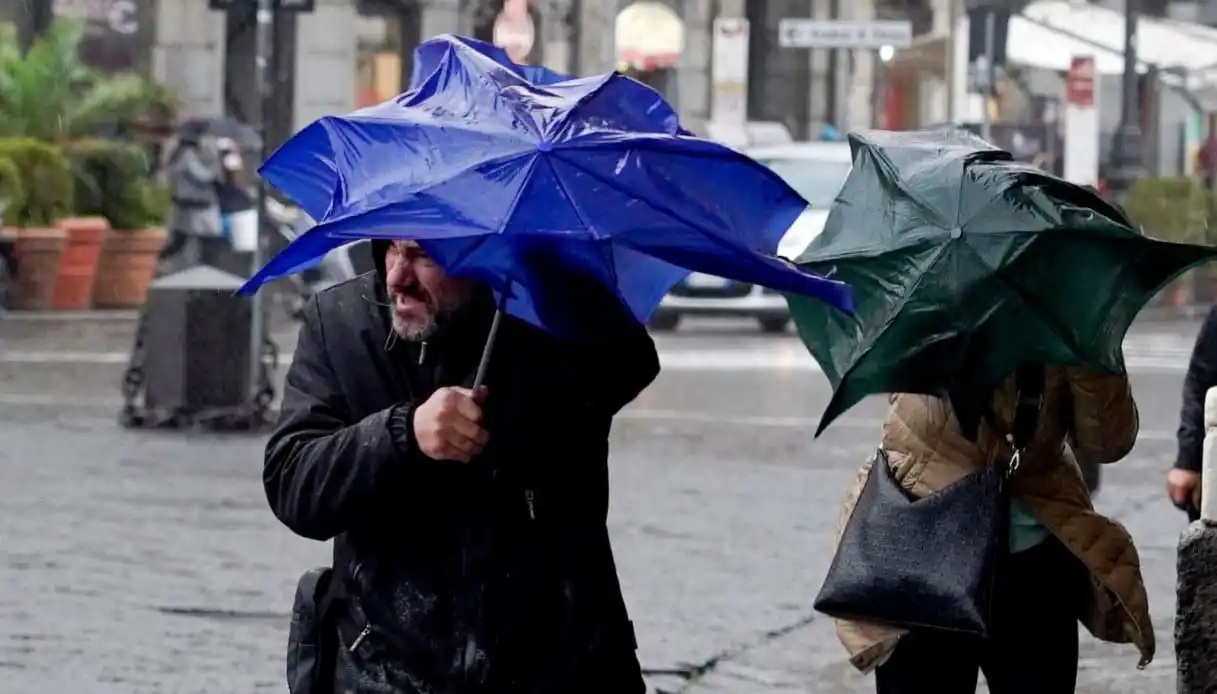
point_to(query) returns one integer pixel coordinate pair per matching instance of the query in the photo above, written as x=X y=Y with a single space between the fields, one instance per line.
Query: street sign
x=794 y=32
x=1079 y=83
x=281 y=5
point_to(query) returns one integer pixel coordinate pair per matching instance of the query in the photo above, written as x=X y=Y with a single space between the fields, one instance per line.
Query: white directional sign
x=795 y=32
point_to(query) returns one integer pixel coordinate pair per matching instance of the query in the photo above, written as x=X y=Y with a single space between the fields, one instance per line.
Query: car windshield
x=817 y=180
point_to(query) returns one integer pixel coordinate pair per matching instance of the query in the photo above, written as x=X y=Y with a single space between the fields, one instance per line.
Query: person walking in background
x=238 y=199
x=194 y=172
x=1063 y=560
x=1183 y=480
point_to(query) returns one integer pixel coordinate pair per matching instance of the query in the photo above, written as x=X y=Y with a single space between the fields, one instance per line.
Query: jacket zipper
x=367 y=629
x=530 y=500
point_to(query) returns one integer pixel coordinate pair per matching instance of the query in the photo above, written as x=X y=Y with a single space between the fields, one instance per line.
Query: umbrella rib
x=604 y=247
x=1017 y=291
x=432 y=184
x=894 y=314
x=663 y=210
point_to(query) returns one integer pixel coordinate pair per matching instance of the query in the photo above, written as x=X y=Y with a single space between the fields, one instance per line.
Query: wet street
x=137 y=562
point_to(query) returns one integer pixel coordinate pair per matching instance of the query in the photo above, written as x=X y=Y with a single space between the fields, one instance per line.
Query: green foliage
x=46 y=177
x=51 y=94
x=109 y=180
x=156 y=203
x=12 y=191
x=1175 y=209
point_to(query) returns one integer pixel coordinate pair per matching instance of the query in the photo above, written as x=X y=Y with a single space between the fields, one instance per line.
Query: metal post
x=264 y=88
x=831 y=107
x=986 y=126
x=1196 y=586
x=1126 y=149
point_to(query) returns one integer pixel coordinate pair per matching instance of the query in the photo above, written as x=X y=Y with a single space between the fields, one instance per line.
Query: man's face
x=421 y=294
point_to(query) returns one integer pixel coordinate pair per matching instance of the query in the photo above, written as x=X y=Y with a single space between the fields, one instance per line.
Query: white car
x=817 y=170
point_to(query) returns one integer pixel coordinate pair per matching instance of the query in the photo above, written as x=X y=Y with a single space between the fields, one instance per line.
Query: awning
x=1049 y=33
x=649 y=36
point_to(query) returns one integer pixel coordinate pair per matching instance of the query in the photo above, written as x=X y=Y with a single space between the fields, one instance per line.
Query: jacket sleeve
x=1105 y=419
x=620 y=371
x=1201 y=375
x=322 y=470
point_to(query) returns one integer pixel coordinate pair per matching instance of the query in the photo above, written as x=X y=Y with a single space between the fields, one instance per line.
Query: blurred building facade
x=345 y=53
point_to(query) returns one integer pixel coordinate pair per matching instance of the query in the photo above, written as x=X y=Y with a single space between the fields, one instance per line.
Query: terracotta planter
x=78 y=266
x=40 y=251
x=127 y=266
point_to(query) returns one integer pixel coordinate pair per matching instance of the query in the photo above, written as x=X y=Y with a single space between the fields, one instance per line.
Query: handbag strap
x=1028 y=403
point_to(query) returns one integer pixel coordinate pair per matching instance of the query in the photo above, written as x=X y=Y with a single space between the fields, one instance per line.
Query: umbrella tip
x=545 y=146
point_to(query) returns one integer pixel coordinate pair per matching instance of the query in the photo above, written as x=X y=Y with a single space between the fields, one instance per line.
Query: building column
x=188 y=54
x=861 y=85
x=326 y=61
x=693 y=74
x=442 y=17
x=597 y=21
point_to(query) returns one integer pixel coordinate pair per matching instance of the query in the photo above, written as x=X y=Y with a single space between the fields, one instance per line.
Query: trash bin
x=196 y=345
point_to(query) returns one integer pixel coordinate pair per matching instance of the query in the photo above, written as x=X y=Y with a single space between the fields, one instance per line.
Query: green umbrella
x=966 y=264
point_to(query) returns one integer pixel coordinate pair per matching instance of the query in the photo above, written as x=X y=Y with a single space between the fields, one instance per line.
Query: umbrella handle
x=484 y=364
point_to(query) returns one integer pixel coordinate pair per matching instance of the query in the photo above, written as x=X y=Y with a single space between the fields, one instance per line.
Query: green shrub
x=46 y=176
x=156 y=204
x=110 y=181
x=1176 y=209
x=12 y=192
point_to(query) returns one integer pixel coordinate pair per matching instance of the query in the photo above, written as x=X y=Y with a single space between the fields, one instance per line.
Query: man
x=470 y=531
x=1183 y=480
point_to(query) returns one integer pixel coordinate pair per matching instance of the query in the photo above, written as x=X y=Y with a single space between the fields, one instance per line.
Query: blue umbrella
x=499 y=170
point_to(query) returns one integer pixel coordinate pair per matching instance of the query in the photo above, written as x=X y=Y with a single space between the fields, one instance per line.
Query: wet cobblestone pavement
x=137 y=562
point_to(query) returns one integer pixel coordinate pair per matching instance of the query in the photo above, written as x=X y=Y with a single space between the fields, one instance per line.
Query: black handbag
x=929 y=563
x=312 y=642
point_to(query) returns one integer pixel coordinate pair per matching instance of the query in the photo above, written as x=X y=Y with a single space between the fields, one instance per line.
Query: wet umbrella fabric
x=500 y=171
x=966 y=264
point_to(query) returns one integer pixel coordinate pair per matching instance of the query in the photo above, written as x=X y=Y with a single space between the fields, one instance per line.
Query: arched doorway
x=513 y=25
x=649 y=38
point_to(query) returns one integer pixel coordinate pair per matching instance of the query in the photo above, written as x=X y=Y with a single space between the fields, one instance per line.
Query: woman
x=194 y=172
x=1065 y=561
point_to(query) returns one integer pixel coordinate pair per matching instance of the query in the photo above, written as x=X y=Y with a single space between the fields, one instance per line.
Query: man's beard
x=421 y=329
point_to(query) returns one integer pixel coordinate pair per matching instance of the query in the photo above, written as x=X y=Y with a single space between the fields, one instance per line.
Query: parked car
x=817 y=170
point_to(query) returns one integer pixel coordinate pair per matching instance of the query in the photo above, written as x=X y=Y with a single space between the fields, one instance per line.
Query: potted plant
x=48 y=93
x=130 y=254
x=46 y=178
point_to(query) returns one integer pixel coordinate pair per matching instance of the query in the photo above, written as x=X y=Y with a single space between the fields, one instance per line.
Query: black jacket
x=490 y=577
x=1201 y=375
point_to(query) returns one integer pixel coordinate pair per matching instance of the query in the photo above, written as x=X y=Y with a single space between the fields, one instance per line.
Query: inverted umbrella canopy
x=966 y=264
x=497 y=170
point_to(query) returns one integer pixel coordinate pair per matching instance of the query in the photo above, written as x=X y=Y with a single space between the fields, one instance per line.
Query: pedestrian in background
x=1062 y=561
x=238 y=198
x=471 y=549
x=194 y=171
x=1183 y=480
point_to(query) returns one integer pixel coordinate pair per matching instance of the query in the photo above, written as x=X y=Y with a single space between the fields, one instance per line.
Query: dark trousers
x=1034 y=648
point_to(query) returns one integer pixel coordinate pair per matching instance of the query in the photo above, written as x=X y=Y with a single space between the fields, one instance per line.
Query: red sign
x=1079 y=84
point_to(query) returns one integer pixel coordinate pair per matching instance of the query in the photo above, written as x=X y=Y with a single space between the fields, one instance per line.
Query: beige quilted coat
x=1088 y=413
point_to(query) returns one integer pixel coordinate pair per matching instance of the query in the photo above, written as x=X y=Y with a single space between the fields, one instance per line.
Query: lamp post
x=264 y=14
x=1126 y=152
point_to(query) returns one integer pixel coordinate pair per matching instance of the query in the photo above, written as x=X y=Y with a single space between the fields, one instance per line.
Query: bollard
x=196 y=346
x=1196 y=587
